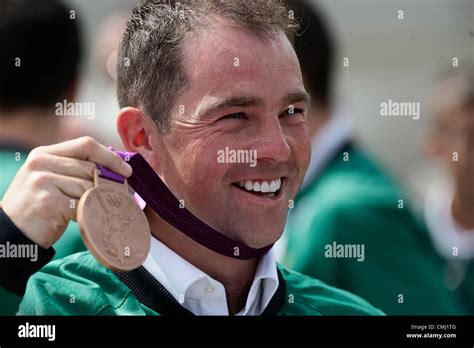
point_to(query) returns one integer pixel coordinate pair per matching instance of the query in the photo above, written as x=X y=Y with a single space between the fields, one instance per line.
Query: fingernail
x=128 y=168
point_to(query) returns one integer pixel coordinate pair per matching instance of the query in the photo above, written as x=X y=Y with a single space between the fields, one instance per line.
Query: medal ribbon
x=148 y=185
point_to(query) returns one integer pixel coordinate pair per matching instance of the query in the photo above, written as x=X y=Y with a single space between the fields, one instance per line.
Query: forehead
x=225 y=61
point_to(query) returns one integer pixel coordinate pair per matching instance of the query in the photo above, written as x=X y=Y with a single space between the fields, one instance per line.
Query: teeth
x=257 y=188
x=249 y=185
x=273 y=186
x=265 y=186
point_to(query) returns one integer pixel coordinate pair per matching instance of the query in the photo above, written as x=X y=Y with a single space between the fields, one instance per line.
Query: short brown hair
x=150 y=69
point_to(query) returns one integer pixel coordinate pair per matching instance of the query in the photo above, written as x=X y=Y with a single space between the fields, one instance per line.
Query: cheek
x=300 y=142
x=201 y=174
x=203 y=191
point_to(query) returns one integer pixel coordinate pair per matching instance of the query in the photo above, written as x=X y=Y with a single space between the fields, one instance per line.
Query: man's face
x=243 y=93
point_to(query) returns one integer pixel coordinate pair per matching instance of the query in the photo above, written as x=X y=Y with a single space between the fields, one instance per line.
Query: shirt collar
x=326 y=143
x=200 y=293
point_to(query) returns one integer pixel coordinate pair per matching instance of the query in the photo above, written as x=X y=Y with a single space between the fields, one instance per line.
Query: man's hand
x=44 y=194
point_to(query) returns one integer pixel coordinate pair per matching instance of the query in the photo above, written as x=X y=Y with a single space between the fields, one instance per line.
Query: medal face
x=113 y=227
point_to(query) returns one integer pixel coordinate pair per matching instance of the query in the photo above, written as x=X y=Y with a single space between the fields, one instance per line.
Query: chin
x=261 y=239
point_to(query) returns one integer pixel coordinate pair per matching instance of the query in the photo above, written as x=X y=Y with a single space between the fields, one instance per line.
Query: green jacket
x=10 y=162
x=354 y=203
x=79 y=285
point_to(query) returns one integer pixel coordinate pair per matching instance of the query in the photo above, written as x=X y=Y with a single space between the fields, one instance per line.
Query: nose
x=272 y=144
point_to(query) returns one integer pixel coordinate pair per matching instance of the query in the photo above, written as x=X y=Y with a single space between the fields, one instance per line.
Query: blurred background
x=389 y=58
x=419 y=261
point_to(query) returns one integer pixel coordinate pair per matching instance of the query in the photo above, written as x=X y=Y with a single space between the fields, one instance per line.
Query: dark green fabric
x=354 y=202
x=79 y=285
x=70 y=242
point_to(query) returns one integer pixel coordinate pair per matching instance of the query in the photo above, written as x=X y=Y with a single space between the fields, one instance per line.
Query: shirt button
x=209 y=289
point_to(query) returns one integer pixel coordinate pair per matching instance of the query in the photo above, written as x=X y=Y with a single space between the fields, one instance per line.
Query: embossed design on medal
x=113 y=226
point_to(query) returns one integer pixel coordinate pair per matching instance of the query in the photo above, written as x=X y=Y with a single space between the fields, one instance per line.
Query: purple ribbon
x=156 y=194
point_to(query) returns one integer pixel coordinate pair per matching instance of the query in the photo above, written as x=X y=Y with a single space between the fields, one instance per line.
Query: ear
x=136 y=131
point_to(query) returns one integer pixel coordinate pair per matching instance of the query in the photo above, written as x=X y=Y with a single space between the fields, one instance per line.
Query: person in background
x=351 y=225
x=39 y=63
x=449 y=202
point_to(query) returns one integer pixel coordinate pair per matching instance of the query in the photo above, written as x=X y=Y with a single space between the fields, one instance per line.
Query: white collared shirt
x=449 y=238
x=198 y=292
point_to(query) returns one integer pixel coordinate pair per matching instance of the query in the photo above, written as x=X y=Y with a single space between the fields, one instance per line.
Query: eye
x=234 y=116
x=292 y=111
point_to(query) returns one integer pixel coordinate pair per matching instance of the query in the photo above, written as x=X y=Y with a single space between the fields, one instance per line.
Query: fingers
x=44 y=194
x=70 y=186
x=63 y=166
x=73 y=209
x=62 y=192
x=86 y=148
x=65 y=205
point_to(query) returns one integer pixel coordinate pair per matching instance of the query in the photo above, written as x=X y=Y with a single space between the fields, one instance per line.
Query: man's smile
x=270 y=188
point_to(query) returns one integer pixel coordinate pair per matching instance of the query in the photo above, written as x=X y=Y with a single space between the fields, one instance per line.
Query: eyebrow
x=298 y=97
x=246 y=102
x=220 y=104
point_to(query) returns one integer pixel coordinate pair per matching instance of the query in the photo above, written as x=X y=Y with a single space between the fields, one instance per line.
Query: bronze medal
x=112 y=225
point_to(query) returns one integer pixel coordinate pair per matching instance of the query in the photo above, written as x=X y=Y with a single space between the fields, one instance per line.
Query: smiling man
x=193 y=78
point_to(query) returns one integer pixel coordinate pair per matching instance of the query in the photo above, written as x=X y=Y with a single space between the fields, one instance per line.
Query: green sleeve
x=49 y=292
x=79 y=285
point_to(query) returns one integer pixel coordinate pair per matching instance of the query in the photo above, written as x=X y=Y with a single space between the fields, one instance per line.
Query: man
x=449 y=203
x=39 y=63
x=351 y=225
x=193 y=78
